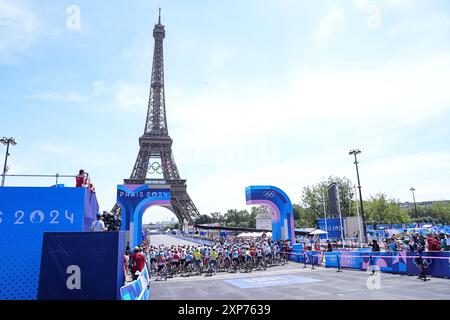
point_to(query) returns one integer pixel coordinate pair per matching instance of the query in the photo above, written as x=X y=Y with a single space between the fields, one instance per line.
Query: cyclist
x=189 y=258
x=227 y=257
x=175 y=261
x=182 y=258
x=161 y=262
x=213 y=260
x=198 y=260
x=235 y=256
x=152 y=255
x=259 y=255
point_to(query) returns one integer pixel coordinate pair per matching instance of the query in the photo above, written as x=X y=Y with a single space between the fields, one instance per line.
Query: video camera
x=112 y=223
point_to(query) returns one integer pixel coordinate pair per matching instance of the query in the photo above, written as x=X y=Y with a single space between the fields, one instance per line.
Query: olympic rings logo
x=269 y=194
x=155 y=167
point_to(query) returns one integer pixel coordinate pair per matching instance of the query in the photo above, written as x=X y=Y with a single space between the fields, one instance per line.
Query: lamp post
x=415 y=206
x=359 y=219
x=325 y=215
x=356 y=152
x=7 y=142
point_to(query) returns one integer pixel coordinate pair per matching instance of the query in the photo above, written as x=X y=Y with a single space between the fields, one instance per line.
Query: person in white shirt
x=98 y=225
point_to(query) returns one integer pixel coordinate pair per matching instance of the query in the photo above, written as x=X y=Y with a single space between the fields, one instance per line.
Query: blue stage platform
x=25 y=214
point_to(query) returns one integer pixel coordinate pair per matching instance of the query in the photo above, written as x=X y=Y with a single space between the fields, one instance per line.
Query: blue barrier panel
x=437 y=263
x=138 y=289
x=81 y=266
x=332 y=259
x=25 y=214
x=309 y=256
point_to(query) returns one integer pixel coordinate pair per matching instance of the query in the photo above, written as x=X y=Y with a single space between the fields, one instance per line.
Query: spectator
x=329 y=246
x=433 y=244
x=445 y=241
x=81 y=179
x=137 y=263
x=375 y=246
x=392 y=245
x=98 y=225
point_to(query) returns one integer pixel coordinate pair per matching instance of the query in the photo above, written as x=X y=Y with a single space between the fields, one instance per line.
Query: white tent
x=318 y=231
x=253 y=234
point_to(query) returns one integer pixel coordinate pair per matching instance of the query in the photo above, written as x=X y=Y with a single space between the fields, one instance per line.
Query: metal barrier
x=437 y=263
x=56 y=176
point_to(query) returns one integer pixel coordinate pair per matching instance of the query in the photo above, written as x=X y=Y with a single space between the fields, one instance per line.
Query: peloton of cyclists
x=189 y=260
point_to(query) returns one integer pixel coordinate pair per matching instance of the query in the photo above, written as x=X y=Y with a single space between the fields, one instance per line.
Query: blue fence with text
x=436 y=263
x=138 y=289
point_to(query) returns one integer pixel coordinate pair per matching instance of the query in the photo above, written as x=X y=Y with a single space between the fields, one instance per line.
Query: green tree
x=252 y=217
x=217 y=217
x=381 y=210
x=441 y=210
x=203 y=219
x=296 y=208
x=245 y=218
x=315 y=197
x=307 y=218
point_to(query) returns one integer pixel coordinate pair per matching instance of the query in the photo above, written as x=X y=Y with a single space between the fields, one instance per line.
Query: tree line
x=378 y=208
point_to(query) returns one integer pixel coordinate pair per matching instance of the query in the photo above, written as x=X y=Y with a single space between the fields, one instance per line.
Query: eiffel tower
x=155 y=163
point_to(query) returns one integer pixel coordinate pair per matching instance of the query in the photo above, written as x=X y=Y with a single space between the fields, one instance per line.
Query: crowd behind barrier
x=436 y=263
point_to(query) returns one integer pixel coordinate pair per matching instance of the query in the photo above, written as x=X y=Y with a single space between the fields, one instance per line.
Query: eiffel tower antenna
x=155 y=163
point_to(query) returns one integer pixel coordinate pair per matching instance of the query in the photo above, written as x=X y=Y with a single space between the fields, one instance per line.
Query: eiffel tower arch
x=155 y=163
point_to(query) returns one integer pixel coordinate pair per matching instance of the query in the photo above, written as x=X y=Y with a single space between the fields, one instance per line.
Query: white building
x=264 y=219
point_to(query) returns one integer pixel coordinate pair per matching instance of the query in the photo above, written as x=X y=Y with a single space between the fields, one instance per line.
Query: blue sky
x=257 y=92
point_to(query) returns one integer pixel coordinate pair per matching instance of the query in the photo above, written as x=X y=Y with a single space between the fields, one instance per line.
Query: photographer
x=98 y=225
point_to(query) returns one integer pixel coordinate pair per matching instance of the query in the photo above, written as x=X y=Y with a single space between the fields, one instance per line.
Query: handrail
x=57 y=175
x=40 y=175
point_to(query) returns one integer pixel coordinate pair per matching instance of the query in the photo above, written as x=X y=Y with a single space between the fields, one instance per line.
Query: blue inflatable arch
x=281 y=207
x=133 y=200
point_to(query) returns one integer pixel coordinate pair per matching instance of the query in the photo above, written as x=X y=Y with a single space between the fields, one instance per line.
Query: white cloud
x=98 y=87
x=401 y=92
x=59 y=149
x=130 y=97
x=20 y=28
x=433 y=26
x=329 y=24
x=325 y=112
x=56 y=97
x=218 y=58
x=120 y=95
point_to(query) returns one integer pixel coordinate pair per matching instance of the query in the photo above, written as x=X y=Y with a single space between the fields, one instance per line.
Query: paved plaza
x=292 y=281
x=322 y=283
x=156 y=240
